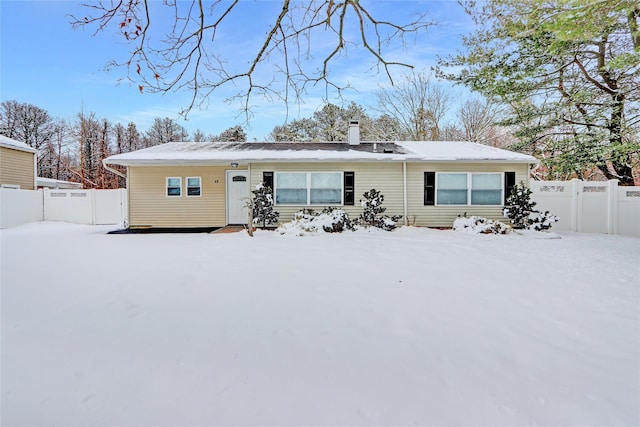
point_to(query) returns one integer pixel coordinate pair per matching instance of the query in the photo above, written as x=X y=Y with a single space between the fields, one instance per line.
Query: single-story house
x=17 y=164
x=206 y=184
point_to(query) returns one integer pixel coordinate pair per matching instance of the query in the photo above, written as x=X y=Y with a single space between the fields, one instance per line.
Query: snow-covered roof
x=15 y=145
x=57 y=183
x=205 y=153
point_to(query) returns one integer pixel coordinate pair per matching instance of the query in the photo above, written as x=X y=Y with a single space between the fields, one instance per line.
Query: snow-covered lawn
x=415 y=326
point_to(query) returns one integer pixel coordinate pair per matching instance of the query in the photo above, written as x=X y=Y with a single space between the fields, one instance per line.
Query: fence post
x=576 y=205
x=45 y=201
x=92 y=194
x=612 y=206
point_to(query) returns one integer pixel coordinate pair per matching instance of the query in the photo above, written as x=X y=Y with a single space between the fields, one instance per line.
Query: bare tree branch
x=190 y=57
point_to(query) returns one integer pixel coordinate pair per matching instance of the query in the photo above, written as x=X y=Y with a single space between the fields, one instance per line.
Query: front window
x=483 y=189
x=193 y=186
x=308 y=188
x=452 y=189
x=291 y=188
x=486 y=189
x=326 y=188
x=174 y=187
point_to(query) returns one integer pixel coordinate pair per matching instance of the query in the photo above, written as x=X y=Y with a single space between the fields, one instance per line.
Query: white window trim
x=275 y=189
x=186 y=193
x=166 y=187
x=469 y=187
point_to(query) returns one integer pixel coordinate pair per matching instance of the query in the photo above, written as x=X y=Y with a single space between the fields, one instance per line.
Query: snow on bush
x=479 y=225
x=261 y=204
x=372 y=214
x=520 y=211
x=307 y=221
x=541 y=221
x=332 y=220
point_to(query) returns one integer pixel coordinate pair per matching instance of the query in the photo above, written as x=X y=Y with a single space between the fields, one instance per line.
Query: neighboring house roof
x=57 y=183
x=15 y=145
x=204 y=153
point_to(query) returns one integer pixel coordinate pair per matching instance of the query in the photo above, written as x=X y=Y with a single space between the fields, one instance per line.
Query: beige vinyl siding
x=385 y=177
x=443 y=216
x=16 y=168
x=149 y=205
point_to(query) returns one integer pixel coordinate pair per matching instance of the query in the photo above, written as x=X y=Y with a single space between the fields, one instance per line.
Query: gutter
x=246 y=161
x=104 y=164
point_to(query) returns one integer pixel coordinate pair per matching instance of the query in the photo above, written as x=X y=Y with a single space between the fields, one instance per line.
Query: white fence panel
x=110 y=206
x=74 y=206
x=555 y=197
x=628 y=214
x=590 y=207
x=593 y=208
x=19 y=207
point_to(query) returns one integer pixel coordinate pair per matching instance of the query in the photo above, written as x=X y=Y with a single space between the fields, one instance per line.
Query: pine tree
x=520 y=210
x=372 y=213
x=262 y=206
x=519 y=206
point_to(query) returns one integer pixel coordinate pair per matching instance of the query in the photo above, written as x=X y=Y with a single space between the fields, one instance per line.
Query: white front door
x=237 y=194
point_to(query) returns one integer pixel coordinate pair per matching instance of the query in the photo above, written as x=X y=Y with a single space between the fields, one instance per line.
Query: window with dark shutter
x=429 y=188
x=267 y=179
x=509 y=183
x=349 y=188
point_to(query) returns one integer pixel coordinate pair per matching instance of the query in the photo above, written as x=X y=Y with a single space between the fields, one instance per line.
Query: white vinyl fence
x=77 y=206
x=19 y=207
x=590 y=207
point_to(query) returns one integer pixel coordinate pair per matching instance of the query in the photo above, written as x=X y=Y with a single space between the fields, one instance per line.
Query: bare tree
x=29 y=124
x=132 y=138
x=477 y=117
x=386 y=128
x=163 y=131
x=451 y=132
x=87 y=131
x=232 y=134
x=190 y=57
x=58 y=157
x=198 y=136
x=9 y=118
x=94 y=138
x=418 y=104
x=119 y=133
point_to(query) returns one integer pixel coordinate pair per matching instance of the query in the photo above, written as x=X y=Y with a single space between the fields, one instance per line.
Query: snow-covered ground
x=415 y=326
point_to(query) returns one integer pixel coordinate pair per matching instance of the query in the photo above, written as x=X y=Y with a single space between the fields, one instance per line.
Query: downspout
x=404 y=191
x=125 y=211
x=35 y=171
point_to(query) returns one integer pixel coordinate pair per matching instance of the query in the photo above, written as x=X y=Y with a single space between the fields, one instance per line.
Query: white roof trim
x=13 y=144
x=185 y=153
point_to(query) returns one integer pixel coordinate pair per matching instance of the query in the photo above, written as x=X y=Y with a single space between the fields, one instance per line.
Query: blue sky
x=47 y=63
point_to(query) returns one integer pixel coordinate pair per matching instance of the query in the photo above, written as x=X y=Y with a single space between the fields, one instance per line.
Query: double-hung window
x=326 y=188
x=291 y=188
x=308 y=188
x=194 y=186
x=174 y=187
x=485 y=189
x=452 y=188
